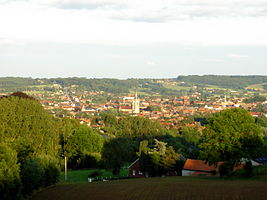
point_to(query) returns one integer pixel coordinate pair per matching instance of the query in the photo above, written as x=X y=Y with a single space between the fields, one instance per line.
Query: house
x=198 y=167
x=134 y=170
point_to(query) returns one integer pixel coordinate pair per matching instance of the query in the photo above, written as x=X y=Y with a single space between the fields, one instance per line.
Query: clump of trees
x=28 y=148
x=82 y=147
x=256 y=98
x=160 y=159
x=33 y=143
x=231 y=136
x=238 y=82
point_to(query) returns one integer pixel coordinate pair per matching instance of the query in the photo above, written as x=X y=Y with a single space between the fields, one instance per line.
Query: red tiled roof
x=198 y=165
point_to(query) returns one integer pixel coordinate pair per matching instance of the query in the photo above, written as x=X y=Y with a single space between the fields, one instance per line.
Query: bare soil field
x=170 y=188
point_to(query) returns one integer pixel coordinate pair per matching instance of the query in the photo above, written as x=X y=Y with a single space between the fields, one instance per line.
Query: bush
x=260 y=170
x=51 y=174
x=95 y=174
x=10 y=185
x=32 y=176
x=224 y=169
x=10 y=190
x=248 y=169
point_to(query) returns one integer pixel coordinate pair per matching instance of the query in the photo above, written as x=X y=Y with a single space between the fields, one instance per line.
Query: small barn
x=134 y=170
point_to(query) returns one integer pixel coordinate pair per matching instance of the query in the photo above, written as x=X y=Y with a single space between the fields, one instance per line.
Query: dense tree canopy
x=224 y=81
x=29 y=142
x=230 y=135
x=24 y=121
x=157 y=160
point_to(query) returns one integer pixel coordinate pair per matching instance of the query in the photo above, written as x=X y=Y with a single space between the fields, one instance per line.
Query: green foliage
x=254 y=99
x=260 y=170
x=9 y=173
x=138 y=127
x=236 y=82
x=248 y=169
x=159 y=160
x=153 y=108
x=262 y=121
x=229 y=136
x=225 y=169
x=190 y=134
x=187 y=149
x=95 y=173
x=107 y=85
x=82 y=146
x=32 y=174
x=25 y=121
x=143 y=147
x=169 y=158
x=33 y=135
x=117 y=152
x=16 y=83
x=8 y=158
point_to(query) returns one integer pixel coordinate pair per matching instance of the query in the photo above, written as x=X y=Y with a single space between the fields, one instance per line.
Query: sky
x=132 y=38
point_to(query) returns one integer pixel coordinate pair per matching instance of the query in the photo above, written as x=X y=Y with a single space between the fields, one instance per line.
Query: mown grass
x=168 y=188
x=80 y=176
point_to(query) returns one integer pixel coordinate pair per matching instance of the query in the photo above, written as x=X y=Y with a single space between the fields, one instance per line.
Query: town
x=170 y=111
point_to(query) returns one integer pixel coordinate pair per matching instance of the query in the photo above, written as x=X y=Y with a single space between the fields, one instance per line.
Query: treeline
x=106 y=85
x=235 y=82
x=125 y=135
x=33 y=145
x=28 y=147
x=254 y=99
x=16 y=83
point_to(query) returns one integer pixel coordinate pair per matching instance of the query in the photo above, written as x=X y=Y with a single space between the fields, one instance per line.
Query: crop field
x=170 y=188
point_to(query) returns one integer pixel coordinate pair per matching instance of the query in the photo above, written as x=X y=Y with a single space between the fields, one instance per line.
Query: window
x=133 y=172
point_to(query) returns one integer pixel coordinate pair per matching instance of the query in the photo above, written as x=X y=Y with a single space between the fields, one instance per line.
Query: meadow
x=168 y=188
x=81 y=176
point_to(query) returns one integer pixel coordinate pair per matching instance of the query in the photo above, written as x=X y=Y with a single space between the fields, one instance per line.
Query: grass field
x=80 y=176
x=170 y=188
x=175 y=87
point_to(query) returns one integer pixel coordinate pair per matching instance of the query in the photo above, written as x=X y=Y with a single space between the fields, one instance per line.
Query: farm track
x=182 y=188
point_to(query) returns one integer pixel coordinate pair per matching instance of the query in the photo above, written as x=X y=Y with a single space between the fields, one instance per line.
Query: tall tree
x=229 y=136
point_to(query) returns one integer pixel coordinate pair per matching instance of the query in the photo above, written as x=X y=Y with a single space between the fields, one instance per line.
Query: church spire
x=136 y=106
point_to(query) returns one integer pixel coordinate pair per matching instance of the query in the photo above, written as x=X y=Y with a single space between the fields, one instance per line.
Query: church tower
x=136 y=106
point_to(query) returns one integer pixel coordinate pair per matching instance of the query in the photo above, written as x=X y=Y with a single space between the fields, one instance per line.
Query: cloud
x=212 y=60
x=125 y=22
x=151 y=63
x=237 y=56
x=4 y=41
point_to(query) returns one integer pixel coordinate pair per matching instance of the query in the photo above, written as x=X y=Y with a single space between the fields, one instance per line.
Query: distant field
x=175 y=87
x=170 y=188
x=256 y=86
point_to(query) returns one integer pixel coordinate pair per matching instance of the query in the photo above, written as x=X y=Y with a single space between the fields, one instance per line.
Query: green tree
x=158 y=160
x=32 y=176
x=170 y=158
x=83 y=141
x=118 y=152
x=24 y=120
x=33 y=135
x=229 y=136
x=9 y=173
